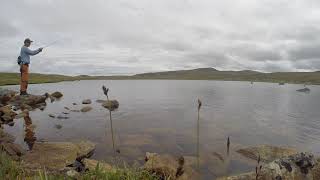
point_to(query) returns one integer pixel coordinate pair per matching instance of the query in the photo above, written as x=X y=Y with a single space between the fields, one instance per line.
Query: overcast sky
x=108 y=37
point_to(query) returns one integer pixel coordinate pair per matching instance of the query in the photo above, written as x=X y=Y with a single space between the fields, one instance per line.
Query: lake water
x=161 y=116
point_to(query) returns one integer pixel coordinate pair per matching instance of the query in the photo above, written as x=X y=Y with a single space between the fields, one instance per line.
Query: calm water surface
x=161 y=116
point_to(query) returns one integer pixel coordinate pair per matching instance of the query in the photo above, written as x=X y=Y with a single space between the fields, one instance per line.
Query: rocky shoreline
x=73 y=158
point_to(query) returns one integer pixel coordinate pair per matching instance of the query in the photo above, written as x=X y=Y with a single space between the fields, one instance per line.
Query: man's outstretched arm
x=32 y=53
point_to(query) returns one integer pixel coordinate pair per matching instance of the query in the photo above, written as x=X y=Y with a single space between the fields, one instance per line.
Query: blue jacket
x=25 y=54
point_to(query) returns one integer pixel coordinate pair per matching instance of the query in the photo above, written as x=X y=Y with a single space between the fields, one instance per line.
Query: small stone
x=58 y=126
x=74 y=104
x=86 y=109
x=52 y=116
x=65 y=113
x=100 y=101
x=66 y=108
x=74 y=110
x=72 y=173
x=86 y=101
x=57 y=94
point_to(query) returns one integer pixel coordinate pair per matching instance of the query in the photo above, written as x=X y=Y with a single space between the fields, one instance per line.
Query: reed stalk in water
x=198 y=133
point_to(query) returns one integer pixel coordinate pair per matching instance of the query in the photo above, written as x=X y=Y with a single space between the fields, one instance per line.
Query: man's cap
x=27 y=41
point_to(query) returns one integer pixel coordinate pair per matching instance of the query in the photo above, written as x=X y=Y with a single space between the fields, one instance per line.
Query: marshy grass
x=10 y=169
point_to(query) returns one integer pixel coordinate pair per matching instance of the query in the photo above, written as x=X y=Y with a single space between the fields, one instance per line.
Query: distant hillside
x=193 y=74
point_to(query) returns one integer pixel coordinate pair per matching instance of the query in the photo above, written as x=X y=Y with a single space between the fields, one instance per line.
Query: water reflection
x=29 y=137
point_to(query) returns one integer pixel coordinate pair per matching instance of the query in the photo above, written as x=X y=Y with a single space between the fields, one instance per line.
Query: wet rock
x=58 y=126
x=30 y=100
x=91 y=164
x=86 y=101
x=65 y=113
x=13 y=150
x=11 y=123
x=57 y=94
x=62 y=117
x=168 y=167
x=111 y=104
x=298 y=167
x=100 y=101
x=55 y=156
x=75 y=110
x=6 y=95
x=267 y=153
x=52 y=115
x=305 y=90
x=6 y=114
x=66 y=108
x=86 y=109
x=74 y=104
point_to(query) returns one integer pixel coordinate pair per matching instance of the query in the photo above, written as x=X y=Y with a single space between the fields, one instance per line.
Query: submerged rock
x=62 y=117
x=86 y=109
x=168 y=167
x=91 y=164
x=300 y=166
x=55 y=156
x=52 y=115
x=100 y=101
x=111 y=104
x=57 y=94
x=267 y=153
x=86 y=101
x=306 y=90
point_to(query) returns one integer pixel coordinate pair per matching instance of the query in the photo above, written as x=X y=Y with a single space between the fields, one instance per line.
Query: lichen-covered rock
x=111 y=105
x=55 y=156
x=86 y=109
x=91 y=164
x=56 y=94
x=168 y=167
x=267 y=153
x=296 y=167
x=6 y=114
x=86 y=101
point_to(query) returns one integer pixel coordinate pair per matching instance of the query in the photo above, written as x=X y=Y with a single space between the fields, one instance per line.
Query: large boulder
x=56 y=156
x=267 y=153
x=111 y=105
x=168 y=167
x=301 y=166
x=34 y=101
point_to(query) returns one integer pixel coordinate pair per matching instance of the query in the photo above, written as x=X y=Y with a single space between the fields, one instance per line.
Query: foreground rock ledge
x=302 y=166
x=56 y=156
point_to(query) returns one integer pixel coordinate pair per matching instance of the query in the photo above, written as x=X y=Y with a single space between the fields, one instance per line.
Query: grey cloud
x=127 y=37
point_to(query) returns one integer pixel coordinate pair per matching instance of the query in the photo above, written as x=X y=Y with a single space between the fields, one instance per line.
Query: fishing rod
x=52 y=43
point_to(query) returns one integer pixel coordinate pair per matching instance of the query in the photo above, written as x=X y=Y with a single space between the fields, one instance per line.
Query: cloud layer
x=110 y=37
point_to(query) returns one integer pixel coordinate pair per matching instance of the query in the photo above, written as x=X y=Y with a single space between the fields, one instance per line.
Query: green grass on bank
x=194 y=74
x=10 y=169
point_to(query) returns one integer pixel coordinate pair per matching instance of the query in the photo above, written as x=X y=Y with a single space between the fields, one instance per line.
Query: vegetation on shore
x=195 y=74
x=10 y=169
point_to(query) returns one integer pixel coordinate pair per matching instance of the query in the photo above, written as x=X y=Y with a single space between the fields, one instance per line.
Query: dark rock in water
x=86 y=101
x=86 y=109
x=58 y=126
x=306 y=90
x=51 y=115
x=65 y=113
x=301 y=166
x=11 y=123
x=74 y=104
x=62 y=117
x=111 y=105
x=75 y=110
x=100 y=101
x=281 y=83
x=267 y=153
x=57 y=94
x=66 y=108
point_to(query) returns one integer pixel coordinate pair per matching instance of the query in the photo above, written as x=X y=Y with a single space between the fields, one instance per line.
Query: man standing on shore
x=24 y=61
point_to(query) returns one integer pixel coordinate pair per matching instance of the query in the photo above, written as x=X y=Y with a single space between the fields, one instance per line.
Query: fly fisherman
x=24 y=61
